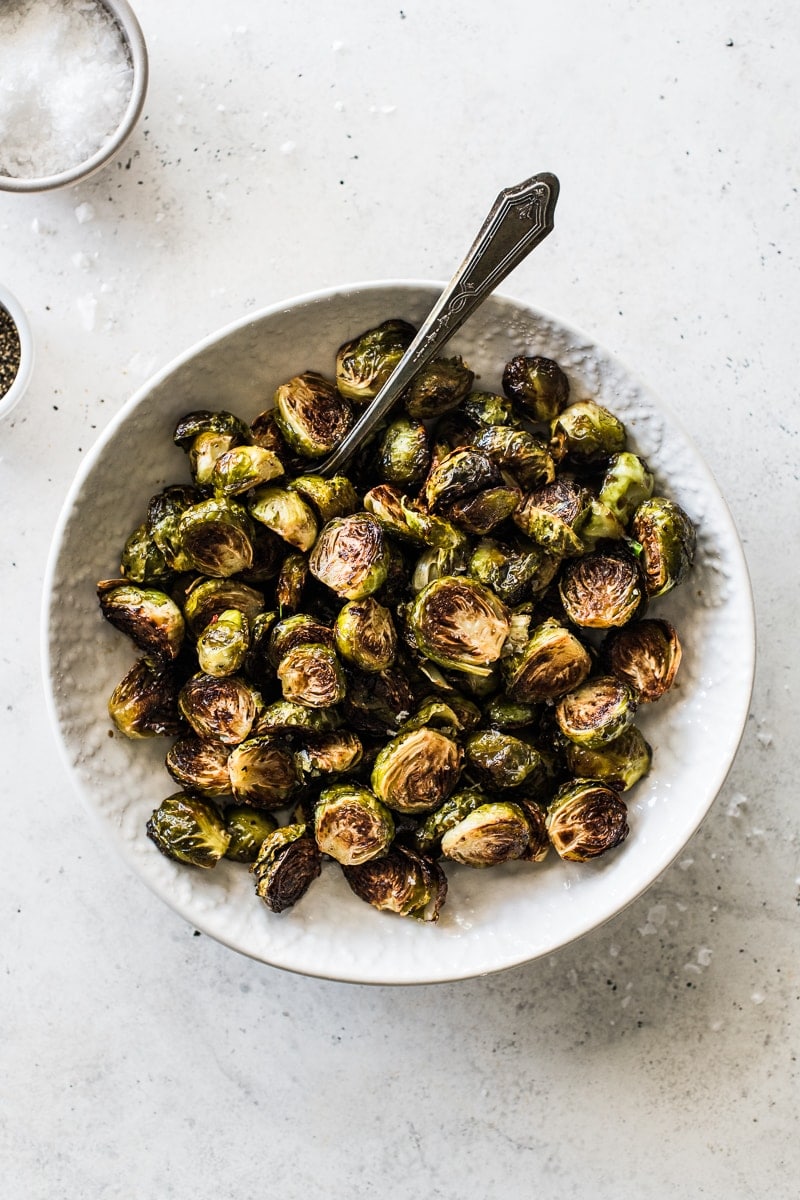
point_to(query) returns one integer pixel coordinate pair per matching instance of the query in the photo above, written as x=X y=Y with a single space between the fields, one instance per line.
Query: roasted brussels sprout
x=427 y=837
x=646 y=655
x=312 y=414
x=459 y=474
x=603 y=589
x=285 y=513
x=247 y=828
x=200 y=765
x=438 y=388
x=335 y=753
x=402 y=882
x=503 y=713
x=537 y=385
x=519 y=452
x=223 y=644
x=350 y=556
x=378 y=701
x=216 y=537
x=452 y=715
x=364 y=363
x=244 y=467
x=627 y=482
x=189 y=830
x=291 y=582
x=597 y=711
x=404 y=455
x=311 y=674
x=164 y=512
x=329 y=498
x=668 y=540
x=144 y=703
x=585 y=819
x=365 y=634
x=352 y=825
x=262 y=771
x=152 y=620
x=416 y=771
x=514 y=573
x=493 y=833
x=553 y=662
x=206 y=599
x=207 y=435
x=288 y=862
x=141 y=560
x=219 y=707
x=620 y=763
x=500 y=760
x=597 y=524
x=300 y=629
x=586 y=433
x=459 y=623
x=487 y=408
x=549 y=514
x=287 y=716
x=482 y=513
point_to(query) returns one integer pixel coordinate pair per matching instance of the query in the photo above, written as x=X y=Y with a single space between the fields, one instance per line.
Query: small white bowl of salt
x=73 y=79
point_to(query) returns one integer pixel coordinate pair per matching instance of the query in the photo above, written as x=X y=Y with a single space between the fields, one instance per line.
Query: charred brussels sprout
x=378 y=701
x=189 y=830
x=501 y=760
x=247 y=828
x=487 y=408
x=646 y=655
x=522 y=454
x=585 y=819
x=311 y=674
x=291 y=582
x=141 y=560
x=223 y=644
x=262 y=772
x=459 y=474
x=404 y=455
x=483 y=512
x=603 y=589
x=409 y=523
x=627 y=482
x=514 y=573
x=537 y=385
x=491 y=834
x=596 y=712
x=452 y=715
x=147 y=616
x=586 y=433
x=503 y=713
x=350 y=556
x=287 y=716
x=200 y=765
x=427 y=837
x=459 y=623
x=300 y=629
x=329 y=498
x=597 y=523
x=365 y=634
x=668 y=540
x=223 y=708
x=352 y=825
x=416 y=771
x=312 y=415
x=402 y=882
x=288 y=862
x=335 y=753
x=216 y=537
x=244 y=467
x=164 y=513
x=549 y=514
x=553 y=662
x=205 y=436
x=144 y=703
x=364 y=363
x=206 y=599
x=438 y=388
x=620 y=763
x=285 y=513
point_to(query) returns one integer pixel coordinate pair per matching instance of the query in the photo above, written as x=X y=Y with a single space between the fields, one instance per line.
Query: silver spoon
x=519 y=219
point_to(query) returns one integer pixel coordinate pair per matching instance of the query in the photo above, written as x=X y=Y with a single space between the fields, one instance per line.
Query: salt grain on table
x=65 y=82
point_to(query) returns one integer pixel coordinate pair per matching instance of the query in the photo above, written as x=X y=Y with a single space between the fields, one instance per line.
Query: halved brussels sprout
x=200 y=765
x=223 y=644
x=329 y=498
x=216 y=537
x=537 y=385
x=364 y=363
x=378 y=701
x=311 y=674
x=596 y=712
x=627 y=482
x=549 y=514
x=300 y=629
x=553 y=663
x=435 y=563
x=521 y=453
x=500 y=760
x=224 y=708
x=416 y=771
x=513 y=572
x=668 y=539
x=188 y=830
x=285 y=513
x=206 y=599
x=489 y=835
x=459 y=623
x=257 y=666
x=452 y=715
x=585 y=819
x=586 y=433
x=350 y=556
x=487 y=408
x=482 y=513
x=503 y=713
x=459 y=474
x=144 y=703
x=247 y=827
x=291 y=582
x=203 y=421
x=399 y=517
x=596 y=524
x=620 y=763
x=352 y=825
x=142 y=561
x=264 y=432
x=262 y=771
x=164 y=512
x=438 y=388
x=335 y=753
x=365 y=634
x=603 y=589
x=312 y=414
x=402 y=882
x=287 y=864
x=268 y=554
x=287 y=716
x=427 y=837
x=244 y=467
x=404 y=455
x=149 y=617
x=646 y=654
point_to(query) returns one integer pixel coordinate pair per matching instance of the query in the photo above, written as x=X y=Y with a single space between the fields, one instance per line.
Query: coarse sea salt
x=65 y=82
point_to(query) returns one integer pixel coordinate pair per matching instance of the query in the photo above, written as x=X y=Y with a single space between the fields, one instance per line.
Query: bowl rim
x=12 y=397
x=591 y=921
x=133 y=36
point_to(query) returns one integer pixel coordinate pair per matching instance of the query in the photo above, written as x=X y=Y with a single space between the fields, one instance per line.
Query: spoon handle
x=519 y=219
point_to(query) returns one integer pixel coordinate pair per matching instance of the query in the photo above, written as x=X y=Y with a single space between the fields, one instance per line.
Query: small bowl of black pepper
x=16 y=352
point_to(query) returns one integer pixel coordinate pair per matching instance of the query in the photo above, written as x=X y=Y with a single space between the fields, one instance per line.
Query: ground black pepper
x=9 y=351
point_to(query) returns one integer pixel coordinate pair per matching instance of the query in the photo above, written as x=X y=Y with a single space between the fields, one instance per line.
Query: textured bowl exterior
x=492 y=919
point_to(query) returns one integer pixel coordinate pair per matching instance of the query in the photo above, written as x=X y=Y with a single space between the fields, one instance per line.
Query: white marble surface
x=289 y=146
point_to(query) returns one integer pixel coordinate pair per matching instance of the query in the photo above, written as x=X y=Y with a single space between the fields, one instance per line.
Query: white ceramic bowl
x=132 y=34
x=492 y=919
x=11 y=398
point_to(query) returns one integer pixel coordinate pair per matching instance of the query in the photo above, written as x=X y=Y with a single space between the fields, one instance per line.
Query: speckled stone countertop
x=287 y=147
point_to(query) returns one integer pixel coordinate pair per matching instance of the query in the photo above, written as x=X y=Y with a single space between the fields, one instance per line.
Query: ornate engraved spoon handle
x=520 y=218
